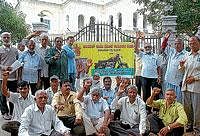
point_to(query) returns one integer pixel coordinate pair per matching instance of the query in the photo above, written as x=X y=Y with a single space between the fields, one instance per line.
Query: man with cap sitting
x=96 y=112
x=54 y=88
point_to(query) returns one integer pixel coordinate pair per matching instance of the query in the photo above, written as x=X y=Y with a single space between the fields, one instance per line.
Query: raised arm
x=155 y=92
x=137 y=42
x=165 y=40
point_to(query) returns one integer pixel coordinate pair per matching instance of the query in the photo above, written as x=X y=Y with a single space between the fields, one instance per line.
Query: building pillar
x=169 y=24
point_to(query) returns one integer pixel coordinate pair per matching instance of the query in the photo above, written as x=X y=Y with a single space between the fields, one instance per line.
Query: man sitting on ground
x=96 y=112
x=133 y=113
x=68 y=108
x=20 y=100
x=172 y=117
x=39 y=118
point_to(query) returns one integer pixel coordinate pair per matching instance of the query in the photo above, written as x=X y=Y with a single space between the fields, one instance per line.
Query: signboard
x=109 y=58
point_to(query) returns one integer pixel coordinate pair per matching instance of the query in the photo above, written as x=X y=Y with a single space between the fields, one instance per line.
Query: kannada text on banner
x=109 y=58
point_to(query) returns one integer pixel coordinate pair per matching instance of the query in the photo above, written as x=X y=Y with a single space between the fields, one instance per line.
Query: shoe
x=7 y=117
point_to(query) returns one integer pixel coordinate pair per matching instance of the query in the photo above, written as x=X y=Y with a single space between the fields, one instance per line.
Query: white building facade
x=69 y=16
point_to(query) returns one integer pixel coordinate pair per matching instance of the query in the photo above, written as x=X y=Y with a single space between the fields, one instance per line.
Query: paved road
x=2 y=132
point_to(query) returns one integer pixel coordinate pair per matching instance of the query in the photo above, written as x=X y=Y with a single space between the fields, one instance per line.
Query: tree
x=12 y=21
x=187 y=12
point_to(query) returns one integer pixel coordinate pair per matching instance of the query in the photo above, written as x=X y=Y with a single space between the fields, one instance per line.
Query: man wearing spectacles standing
x=151 y=73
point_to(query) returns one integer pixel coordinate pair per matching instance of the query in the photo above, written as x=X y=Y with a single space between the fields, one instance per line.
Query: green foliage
x=12 y=21
x=188 y=13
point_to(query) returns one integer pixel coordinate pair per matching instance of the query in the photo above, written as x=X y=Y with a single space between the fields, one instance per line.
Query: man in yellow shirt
x=172 y=117
x=68 y=108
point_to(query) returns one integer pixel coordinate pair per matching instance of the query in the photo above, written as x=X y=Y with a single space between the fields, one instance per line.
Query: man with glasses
x=21 y=100
x=8 y=55
x=150 y=73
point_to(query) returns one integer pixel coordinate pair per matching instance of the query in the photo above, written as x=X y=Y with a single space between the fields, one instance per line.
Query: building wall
x=57 y=14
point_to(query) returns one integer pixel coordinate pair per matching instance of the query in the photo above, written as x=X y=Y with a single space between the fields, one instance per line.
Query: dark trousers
x=156 y=125
x=72 y=79
x=138 y=83
x=117 y=128
x=11 y=127
x=33 y=88
x=147 y=84
x=76 y=130
x=12 y=86
x=53 y=133
x=45 y=82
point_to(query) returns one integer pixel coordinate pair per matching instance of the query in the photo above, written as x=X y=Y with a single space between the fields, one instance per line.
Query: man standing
x=39 y=118
x=172 y=117
x=31 y=69
x=174 y=77
x=191 y=84
x=151 y=73
x=71 y=64
x=41 y=50
x=133 y=113
x=20 y=100
x=8 y=55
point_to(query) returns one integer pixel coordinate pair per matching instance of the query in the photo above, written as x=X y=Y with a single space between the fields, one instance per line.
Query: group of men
x=61 y=109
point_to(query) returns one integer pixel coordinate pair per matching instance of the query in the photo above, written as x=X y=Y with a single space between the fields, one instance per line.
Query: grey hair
x=5 y=33
x=39 y=92
x=44 y=35
x=134 y=87
x=95 y=89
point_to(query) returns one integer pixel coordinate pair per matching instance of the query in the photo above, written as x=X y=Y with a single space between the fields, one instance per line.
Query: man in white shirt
x=191 y=84
x=20 y=100
x=133 y=113
x=38 y=119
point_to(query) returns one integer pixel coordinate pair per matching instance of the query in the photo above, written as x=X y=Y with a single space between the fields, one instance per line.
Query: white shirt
x=34 y=122
x=192 y=68
x=20 y=104
x=45 y=67
x=131 y=114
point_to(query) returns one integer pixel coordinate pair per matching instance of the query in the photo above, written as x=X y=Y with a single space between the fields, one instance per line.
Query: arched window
x=119 y=15
x=111 y=22
x=92 y=23
x=134 y=20
x=67 y=21
x=144 y=22
x=80 y=22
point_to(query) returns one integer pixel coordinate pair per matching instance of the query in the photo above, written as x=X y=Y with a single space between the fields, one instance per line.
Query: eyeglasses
x=6 y=37
x=59 y=41
x=23 y=88
x=147 y=47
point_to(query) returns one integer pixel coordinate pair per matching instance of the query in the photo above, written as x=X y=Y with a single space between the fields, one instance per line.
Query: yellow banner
x=109 y=58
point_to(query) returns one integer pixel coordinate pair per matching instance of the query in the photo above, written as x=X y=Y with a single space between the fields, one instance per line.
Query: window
x=47 y=21
x=144 y=22
x=134 y=20
x=92 y=23
x=80 y=22
x=119 y=19
x=67 y=21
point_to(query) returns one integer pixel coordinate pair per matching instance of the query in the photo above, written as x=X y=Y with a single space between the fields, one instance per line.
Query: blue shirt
x=110 y=93
x=150 y=63
x=173 y=75
x=70 y=58
x=95 y=110
x=31 y=65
